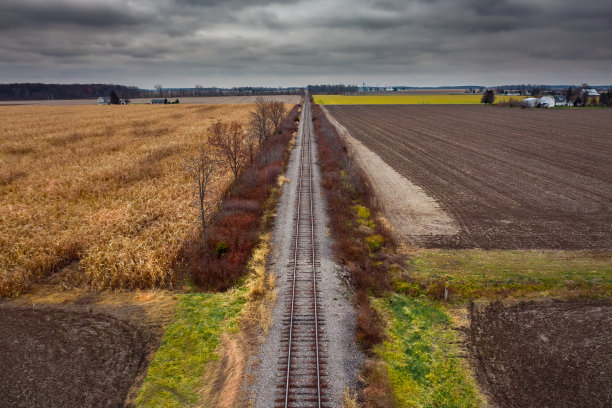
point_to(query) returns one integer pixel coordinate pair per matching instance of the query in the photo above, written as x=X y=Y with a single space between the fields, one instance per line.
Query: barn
x=159 y=101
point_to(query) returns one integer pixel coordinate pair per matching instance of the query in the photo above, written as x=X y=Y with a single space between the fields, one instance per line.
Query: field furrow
x=511 y=178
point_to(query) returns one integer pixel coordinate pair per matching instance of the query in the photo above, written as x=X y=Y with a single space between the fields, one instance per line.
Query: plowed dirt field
x=511 y=178
x=536 y=354
x=92 y=361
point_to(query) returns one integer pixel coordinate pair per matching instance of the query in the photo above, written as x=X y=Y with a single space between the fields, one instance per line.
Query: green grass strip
x=177 y=370
x=477 y=273
x=425 y=369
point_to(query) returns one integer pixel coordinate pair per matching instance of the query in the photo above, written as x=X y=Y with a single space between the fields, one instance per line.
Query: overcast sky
x=180 y=43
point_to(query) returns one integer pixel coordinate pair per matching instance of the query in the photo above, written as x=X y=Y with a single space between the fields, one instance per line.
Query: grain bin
x=547 y=102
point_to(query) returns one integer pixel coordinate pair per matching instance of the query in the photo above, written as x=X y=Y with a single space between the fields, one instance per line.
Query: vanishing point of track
x=302 y=365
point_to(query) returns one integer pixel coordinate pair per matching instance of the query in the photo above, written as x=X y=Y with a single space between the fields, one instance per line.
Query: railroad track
x=302 y=365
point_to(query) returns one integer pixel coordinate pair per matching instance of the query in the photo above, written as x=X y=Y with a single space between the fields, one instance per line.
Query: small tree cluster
x=605 y=98
x=219 y=259
x=265 y=119
x=488 y=97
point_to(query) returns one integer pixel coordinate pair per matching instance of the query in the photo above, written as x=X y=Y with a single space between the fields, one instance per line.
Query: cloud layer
x=267 y=42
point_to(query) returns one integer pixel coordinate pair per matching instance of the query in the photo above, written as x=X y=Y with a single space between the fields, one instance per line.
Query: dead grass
x=101 y=189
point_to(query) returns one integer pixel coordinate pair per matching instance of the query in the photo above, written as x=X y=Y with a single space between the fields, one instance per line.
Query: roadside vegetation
x=472 y=274
x=189 y=343
x=424 y=361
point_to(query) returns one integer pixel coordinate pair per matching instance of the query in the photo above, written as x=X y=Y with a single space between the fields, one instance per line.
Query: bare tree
x=229 y=139
x=251 y=146
x=260 y=123
x=277 y=114
x=160 y=89
x=488 y=97
x=203 y=171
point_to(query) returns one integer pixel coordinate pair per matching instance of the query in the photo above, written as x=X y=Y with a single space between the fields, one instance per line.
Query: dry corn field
x=98 y=196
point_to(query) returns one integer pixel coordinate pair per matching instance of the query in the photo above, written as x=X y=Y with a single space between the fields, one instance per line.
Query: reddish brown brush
x=234 y=231
x=345 y=186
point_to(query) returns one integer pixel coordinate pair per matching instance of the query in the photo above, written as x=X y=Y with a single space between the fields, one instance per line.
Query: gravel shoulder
x=413 y=214
x=344 y=356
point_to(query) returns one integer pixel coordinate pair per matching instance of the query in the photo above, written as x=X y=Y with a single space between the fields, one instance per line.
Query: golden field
x=427 y=99
x=97 y=196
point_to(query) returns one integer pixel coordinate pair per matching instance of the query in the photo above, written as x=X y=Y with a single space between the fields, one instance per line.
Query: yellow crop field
x=98 y=195
x=406 y=99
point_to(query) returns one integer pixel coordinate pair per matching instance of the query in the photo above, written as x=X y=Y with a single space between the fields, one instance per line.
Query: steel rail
x=304 y=145
x=314 y=269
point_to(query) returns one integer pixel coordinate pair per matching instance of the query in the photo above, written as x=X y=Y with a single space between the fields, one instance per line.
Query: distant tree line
x=337 y=89
x=200 y=91
x=37 y=91
x=524 y=89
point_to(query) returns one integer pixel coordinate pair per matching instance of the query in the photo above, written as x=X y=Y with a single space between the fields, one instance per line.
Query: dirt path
x=336 y=311
x=413 y=214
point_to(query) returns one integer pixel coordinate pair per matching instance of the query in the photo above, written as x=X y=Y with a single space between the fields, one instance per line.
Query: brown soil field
x=536 y=354
x=214 y=100
x=98 y=196
x=99 y=350
x=510 y=178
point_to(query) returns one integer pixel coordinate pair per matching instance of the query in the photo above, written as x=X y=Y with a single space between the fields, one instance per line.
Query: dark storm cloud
x=270 y=42
x=30 y=13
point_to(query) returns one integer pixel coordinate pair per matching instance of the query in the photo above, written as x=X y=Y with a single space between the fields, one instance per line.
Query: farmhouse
x=591 y=92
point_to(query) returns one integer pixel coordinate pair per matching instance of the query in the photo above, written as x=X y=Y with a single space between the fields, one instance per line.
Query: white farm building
x=547 y=102
x=529 y=102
